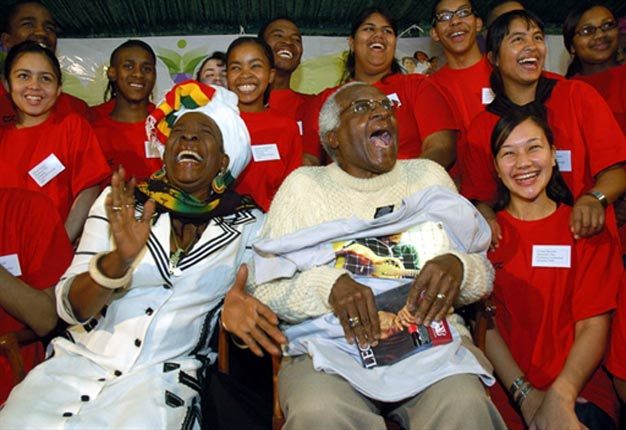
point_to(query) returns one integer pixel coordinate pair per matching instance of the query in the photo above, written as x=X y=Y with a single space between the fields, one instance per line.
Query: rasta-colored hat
x=217 y=103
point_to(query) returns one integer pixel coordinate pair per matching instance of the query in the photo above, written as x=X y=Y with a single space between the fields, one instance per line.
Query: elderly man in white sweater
x=326 y=304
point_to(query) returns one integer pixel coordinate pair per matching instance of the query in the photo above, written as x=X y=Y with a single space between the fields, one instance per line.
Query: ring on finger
x=354 y=321
x=441 y=296
x=116 y=208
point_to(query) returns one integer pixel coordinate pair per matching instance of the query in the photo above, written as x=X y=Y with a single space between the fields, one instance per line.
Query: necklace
x=180 y=251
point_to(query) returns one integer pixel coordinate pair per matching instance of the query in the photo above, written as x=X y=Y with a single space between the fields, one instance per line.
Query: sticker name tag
x=394 y=98
x=45 y=171
x=11 y=262
x=564 y=160
x=267 y=152
x=152 y=149
x=552 y=256
x=487 y=96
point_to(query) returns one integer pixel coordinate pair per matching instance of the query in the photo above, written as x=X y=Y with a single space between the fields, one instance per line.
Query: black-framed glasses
x=590 y=30
x=447 y=15
x=363 y=106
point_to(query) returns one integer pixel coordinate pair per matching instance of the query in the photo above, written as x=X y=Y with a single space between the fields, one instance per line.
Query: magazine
x=397 y=344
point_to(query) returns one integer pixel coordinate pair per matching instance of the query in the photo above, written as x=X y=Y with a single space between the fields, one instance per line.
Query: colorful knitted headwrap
x=217 y=103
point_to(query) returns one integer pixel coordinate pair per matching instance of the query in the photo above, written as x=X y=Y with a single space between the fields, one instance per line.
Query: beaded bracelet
x=105 y=281
x=520 y=388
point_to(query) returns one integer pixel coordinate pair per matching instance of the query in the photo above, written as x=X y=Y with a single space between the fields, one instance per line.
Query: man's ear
x=332 y=139
x=433 y=34
x=5 y=40
x=479 y=24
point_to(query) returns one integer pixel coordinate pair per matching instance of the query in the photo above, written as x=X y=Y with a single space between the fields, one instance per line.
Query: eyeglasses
x=363 y=106
x=447 y=15
x=590 y=30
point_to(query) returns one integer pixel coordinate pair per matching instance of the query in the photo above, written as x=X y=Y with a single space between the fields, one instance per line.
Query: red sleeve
x=46 y=251
x=478 y=176
x=89 y=166
x=598 y=273
x=432 y=111
x=606 y=144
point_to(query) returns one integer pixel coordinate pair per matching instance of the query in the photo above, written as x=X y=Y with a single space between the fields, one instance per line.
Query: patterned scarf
x=186 y=207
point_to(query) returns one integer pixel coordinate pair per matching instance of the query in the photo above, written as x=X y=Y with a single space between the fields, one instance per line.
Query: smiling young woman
x=276 y=141
x=46 y=151
x=552 y=322
x=589 y=144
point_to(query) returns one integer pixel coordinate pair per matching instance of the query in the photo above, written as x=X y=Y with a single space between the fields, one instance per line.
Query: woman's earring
x=218 y=184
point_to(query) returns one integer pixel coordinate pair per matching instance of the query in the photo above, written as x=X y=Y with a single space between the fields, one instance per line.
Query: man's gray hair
x=329 y=116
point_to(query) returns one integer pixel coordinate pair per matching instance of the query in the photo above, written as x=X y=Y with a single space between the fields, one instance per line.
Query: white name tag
x=487 y=96
x=552 y=256
x=45 y=171
x=300 y=128
x=394 y=98
x=267 y=152
x=152 y=149
x=12 y=263
x=564 y=160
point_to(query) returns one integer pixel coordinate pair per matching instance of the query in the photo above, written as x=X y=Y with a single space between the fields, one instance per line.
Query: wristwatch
x=600 y=196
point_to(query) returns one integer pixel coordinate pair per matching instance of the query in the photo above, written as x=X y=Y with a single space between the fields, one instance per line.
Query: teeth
x=285 y=54
x=246 y=88
x=377 y=46
x=457 y=33
x=528 y=61
x=136 y=85
x=34 y=98
x=525 y=176
x=188 y=155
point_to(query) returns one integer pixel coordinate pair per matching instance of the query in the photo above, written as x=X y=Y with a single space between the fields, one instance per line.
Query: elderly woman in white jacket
x=143 y=291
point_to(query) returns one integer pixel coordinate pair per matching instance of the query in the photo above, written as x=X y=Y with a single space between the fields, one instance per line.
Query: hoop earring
x=218 y=184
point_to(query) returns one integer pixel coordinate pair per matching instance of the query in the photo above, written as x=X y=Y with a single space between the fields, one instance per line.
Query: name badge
x=487 y=96
x=11 y=262
x=267 y=152
x=552 y=256
x=152 y=149
x=45 y=171
x=564 y=160
x=394 y=98
x=300 y=128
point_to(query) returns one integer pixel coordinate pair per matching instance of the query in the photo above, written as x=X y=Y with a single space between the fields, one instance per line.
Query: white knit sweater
x=313 y=195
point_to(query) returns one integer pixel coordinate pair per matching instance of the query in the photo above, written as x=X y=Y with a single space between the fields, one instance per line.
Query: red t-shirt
x=64 y=104
x=276 y=152
x=94 y=113
x=290 y=103
x=538 y=307
x=467 y=91
x=124 y=143
x=421 y=110
x=587 y=138
x=74 y=159
x=32 y=230
x=611 y=84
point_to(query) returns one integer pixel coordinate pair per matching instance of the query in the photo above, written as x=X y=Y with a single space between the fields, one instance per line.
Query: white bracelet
x=105 y=281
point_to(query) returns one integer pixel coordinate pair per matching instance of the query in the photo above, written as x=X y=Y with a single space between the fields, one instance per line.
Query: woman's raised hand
x=130 y=234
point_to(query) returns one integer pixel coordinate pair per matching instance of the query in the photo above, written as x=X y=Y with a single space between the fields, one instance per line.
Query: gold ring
x=354 y=321
x=441 y=296
x=116 y=208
